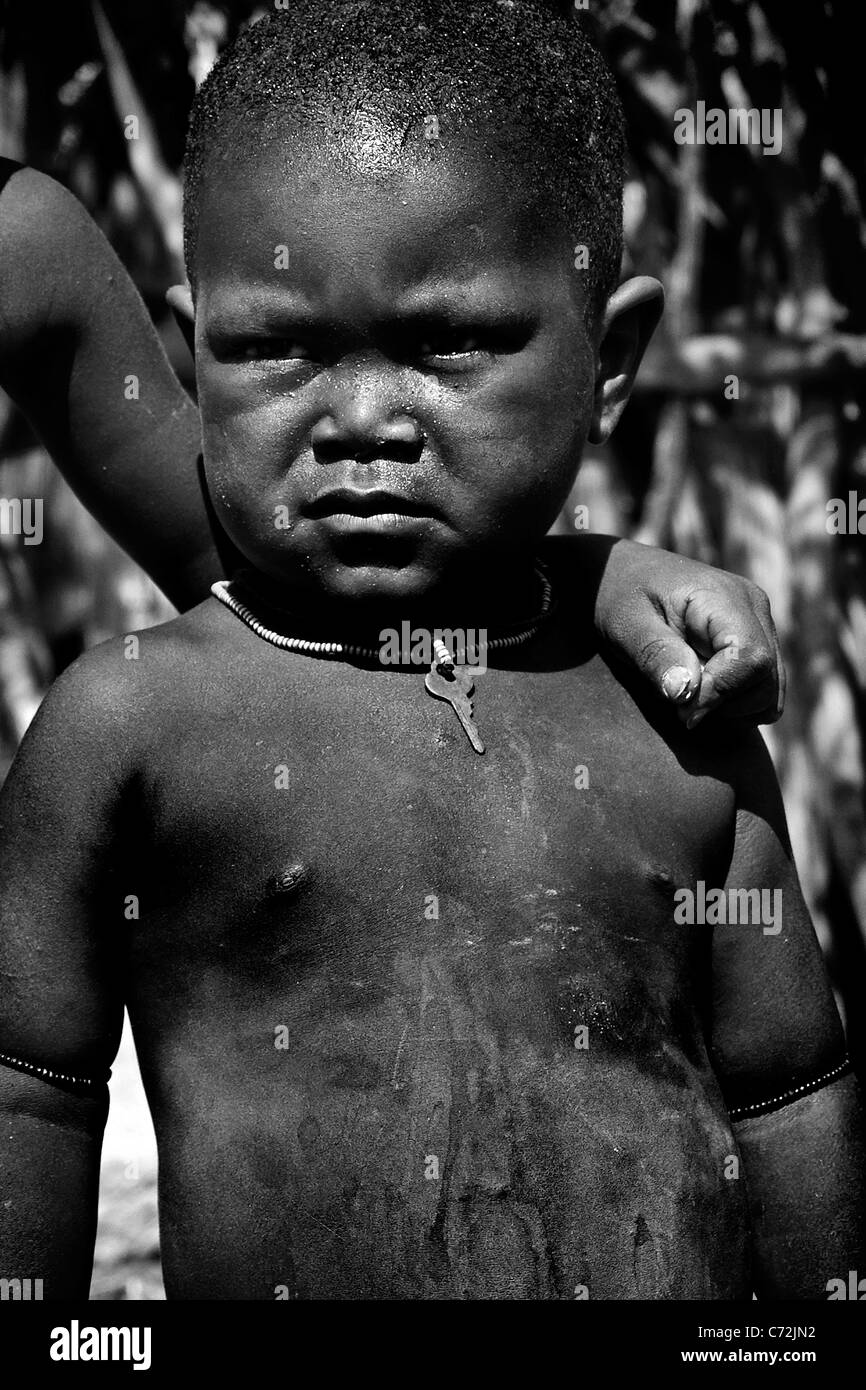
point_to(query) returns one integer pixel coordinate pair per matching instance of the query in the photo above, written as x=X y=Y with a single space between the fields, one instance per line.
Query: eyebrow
x=460 y=297
x=267 y=309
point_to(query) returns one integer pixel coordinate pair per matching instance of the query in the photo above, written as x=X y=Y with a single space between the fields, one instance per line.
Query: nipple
x=286 y=881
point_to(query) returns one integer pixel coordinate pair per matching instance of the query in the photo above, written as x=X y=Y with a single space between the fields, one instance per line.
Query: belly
x=489 y=1117
x=459 y=1057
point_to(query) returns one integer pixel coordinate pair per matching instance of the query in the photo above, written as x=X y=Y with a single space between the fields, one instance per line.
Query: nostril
x=397 y=443
x=372 y=451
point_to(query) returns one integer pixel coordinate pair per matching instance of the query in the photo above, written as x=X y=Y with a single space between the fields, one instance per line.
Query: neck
x=477 y=601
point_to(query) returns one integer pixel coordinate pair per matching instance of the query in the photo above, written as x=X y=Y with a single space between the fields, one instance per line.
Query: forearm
x=804 y=1171
x=49 y=1180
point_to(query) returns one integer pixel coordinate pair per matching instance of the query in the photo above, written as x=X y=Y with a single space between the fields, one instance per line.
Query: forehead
x=370 y=210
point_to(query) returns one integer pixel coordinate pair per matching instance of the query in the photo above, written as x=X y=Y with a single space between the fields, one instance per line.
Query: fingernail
x=675 y=684
x=696 y=718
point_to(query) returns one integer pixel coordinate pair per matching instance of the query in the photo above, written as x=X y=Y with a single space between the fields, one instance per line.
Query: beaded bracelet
x=84 y=1085
x=766 y=1107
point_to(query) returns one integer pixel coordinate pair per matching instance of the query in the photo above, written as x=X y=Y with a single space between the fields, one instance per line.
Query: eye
x=451 y=343
x=467 y=345
x=274 y=349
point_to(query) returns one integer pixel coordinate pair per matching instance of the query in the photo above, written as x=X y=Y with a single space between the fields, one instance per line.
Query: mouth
x=351 y=509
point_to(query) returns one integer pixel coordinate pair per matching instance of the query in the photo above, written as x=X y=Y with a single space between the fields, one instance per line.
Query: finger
x=678 y=685
x=743 y=684
x=668 y=662
x=765 y=614
x=744 y=671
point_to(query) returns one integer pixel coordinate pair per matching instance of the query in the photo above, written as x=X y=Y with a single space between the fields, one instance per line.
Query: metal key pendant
x=457 y=690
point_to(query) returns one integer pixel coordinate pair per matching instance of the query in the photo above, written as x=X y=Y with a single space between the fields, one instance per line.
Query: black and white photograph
x=432 y=667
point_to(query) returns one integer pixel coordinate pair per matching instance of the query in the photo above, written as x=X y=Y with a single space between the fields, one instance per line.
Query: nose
x=363 y=422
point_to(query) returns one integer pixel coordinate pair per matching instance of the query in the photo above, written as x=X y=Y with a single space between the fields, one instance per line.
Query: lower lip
x=379 y=522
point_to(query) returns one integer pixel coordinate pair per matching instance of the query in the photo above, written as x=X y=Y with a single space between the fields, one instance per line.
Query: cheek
x=248 y=435
x=522 y=436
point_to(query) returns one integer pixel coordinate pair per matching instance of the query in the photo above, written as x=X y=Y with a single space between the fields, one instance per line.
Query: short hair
x=519 y=73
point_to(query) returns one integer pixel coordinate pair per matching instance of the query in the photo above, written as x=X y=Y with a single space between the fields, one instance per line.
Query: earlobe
x=632 y=314
x=179 y=300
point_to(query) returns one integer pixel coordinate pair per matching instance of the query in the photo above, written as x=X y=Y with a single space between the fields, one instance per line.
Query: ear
x=630 y=319
x=179 y=300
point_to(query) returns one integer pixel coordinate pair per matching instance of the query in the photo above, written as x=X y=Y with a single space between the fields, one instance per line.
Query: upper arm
x=81 y=357
x=61 y=903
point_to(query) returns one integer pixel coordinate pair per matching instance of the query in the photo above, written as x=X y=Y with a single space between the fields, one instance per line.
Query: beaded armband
x=77 y=1085
x=766 y=1107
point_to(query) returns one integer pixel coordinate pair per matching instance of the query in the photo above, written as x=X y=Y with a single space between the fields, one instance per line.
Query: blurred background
x=747 y=421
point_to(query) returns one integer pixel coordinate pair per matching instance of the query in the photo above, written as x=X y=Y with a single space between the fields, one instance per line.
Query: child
x=413 y=1021
x=73 y=330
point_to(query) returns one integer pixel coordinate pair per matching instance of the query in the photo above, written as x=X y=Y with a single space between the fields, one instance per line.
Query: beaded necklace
x=445 y=679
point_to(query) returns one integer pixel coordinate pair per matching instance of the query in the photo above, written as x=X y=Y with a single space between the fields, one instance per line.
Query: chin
x=372 y=583
x=359 y=585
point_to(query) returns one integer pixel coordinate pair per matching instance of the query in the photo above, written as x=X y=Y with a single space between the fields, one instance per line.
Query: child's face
x=395 y=376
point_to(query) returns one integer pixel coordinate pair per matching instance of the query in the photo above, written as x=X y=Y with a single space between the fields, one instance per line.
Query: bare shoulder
x=104 y=707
